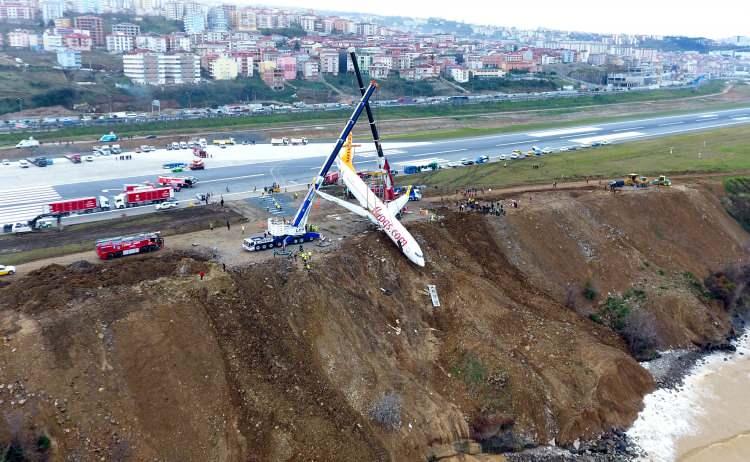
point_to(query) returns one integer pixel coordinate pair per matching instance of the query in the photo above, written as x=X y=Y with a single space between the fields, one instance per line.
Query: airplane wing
x=347 y=205
x=396 y=205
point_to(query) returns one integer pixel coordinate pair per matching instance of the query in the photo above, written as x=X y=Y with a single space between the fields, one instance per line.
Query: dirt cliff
x=140 y=360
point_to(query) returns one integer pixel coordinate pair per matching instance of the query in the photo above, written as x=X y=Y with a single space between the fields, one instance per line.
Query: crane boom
x=304 y=209
x=370 y=118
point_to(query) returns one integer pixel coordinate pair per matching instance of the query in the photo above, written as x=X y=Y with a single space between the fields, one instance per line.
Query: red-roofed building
x=78 y=42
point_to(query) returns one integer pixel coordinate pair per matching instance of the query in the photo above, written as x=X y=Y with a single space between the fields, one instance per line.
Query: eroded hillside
x=141 y=360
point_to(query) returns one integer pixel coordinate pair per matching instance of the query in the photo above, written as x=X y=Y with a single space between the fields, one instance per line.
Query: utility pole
x=20 y=104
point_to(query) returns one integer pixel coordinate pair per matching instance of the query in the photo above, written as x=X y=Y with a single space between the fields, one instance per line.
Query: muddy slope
x=139 y=360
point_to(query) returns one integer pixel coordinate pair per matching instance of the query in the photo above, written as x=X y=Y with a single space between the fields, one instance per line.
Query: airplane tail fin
x=348 y=155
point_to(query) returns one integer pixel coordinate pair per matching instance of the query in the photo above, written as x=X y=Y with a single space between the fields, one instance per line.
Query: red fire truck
x=80 y=205
x=177 y=183
x=116 y=247
x=142 y=196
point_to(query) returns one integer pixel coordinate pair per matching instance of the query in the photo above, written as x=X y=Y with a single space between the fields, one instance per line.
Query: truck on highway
x=177 y=183
x=298 y=141
x=279 y=141
x=224 y=142
x=79 y=205
x=30 y=142
x=197 y=164
x=116 y=247
x=142 y=196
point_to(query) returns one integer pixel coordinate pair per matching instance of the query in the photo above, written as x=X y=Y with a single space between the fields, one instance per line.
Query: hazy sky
x=714 y=19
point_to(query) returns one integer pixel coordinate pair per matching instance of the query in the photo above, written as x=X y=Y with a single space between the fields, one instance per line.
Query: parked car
x=166 y=205
x=547 y=151
x=466 y=161
x=23 y=163
x=150 y=137
x=89 y=158
x=6 y=162
x=563 y=149
x=7 y=270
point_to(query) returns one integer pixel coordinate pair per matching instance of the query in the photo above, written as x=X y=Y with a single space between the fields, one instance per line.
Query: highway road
x=243 y=169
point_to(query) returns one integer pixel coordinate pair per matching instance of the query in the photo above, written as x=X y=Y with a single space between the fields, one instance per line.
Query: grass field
x=725 y=150
x=381 y=113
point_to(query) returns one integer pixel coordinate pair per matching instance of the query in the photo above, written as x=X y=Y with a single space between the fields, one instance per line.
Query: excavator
x=662 y=180
x=633 y=179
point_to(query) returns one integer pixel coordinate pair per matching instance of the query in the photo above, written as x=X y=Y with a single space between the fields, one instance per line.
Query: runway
x=241 y=168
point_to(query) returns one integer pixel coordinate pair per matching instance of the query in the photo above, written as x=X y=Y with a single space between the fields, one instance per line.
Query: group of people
x=305 y=256
x=496 y=208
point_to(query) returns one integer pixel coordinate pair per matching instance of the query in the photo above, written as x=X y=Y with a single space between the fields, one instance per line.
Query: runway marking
x=563 y=131
x=612 y=137
x=741 y=118
x=517 y=142
x=234 y=178
x=627 y=129
x=671 y=123
x=571 y=136
x=440 y=152
x=708 y=116
x=423 y=162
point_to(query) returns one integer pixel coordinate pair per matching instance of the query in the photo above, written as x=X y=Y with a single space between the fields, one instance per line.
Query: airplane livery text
x=388 y=226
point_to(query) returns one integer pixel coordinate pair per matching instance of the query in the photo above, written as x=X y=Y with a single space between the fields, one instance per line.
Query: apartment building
x=16 y=12
x=69 y=59
x=174 y=10
x=194 y=23
x=120 y=42
x=126 y=28
x=223 y=68
x=246 y=20
x=245 y=62
x=217 y=19
x=21 y=38
x=178 y=41
x=77 y=42
x=151 y=42
x=95 y=26
x=308 y=23
x=311 y=69
x=288 y=66
x=366 y=28
x=329 y=61
x=149 y=68
x=459 y=74
x=52 y=41
x=51 y=10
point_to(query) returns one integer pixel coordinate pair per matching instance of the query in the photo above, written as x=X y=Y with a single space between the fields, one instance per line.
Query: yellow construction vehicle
x=661 y=181
x=633 y=179
x=274 y=188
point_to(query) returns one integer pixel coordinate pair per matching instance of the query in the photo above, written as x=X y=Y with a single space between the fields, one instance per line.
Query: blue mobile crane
x=282 y=232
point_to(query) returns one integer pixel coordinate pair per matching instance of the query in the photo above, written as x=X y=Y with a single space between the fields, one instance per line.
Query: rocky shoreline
x=669 y=370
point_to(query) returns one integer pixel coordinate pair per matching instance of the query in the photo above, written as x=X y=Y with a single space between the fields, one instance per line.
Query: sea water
x=706 y=419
